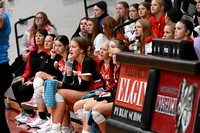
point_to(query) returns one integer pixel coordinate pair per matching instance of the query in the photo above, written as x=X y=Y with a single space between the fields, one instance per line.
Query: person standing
x=6 y=75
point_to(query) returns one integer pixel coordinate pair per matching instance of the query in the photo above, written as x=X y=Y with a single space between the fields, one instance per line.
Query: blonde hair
x=171 y=26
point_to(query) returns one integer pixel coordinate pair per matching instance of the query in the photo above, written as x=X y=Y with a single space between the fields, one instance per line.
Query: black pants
x=177 y=4
x=18 y=66
x=5 y=81
x=22 y=93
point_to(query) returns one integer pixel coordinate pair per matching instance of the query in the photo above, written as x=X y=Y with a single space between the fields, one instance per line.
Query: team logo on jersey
x=184 y=105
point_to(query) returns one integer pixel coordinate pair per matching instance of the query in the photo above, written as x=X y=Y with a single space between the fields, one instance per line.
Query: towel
x=50 y=87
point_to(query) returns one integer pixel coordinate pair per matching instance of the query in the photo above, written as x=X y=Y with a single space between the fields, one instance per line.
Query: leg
x=78 y=108
x=5 y=80
x=99 y=111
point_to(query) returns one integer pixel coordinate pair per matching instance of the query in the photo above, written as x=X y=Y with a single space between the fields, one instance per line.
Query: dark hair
x=96 y=29
x=82 y=43
x=189 y=26
x=41 y=31
x=76 y=33
x=52 y=35
x=136 y=5
x=174 y=14
x=147 y=5
x=102 y=5
x=63 y=39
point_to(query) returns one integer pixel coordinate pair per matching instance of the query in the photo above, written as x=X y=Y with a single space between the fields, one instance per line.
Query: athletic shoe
x=33 y=119
x=48 y=122
x=45 y=129
x=56 y=128
x=24 y=118
x=30 y=104
x=20 y=114
x=37 y=122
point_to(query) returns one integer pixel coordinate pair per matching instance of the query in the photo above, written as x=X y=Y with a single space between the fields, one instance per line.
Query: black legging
x=22 y=93
x=5 y=81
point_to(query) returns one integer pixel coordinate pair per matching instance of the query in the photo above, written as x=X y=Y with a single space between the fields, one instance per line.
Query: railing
x=87 y=7
x=122 y=25
x=16 y=33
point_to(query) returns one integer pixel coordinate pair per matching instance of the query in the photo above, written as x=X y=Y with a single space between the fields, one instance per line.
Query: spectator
x=157 y=9
x=130 y=29
x=81 y=31
x=100 y=12
x=184 y=29
x=23 y=87
x=95 y=35
x=173 y=15
x=122 y=12
x=143 y=32
x=197 y=17
x=169 y=31
x=109 y=24
x=40 y=21
x=6 y=75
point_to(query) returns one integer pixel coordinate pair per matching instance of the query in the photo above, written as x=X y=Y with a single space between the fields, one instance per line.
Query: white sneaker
x=19 y=115
x=37 y=122
x=24 y=118
x=45 y=129
x=56 y=128
x=45 y=124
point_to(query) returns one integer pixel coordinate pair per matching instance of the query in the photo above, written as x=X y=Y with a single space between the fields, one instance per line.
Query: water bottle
x=7 y=105
x=137 y=46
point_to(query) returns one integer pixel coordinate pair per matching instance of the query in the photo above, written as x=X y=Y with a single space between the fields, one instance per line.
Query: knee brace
x=79 y=114
x=98 y=117
x=59 y=98
x=38 y=82
x=38 y=96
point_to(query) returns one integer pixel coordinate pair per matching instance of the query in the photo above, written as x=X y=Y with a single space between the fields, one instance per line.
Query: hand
x=98 y=92
x=25 y=55
x=21 y=79
x=103 y=94
x=117 y=16
x=59 y=83
x=131 y=46
x=53 y=53
x=28 y=83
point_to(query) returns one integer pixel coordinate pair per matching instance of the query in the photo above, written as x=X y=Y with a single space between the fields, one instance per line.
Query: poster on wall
x=130 y=94
x=176 y=103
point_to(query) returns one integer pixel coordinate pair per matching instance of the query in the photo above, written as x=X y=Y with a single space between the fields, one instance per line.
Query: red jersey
x=88 y=68
x=61 y=66
x=108 y=75
x=158 y=27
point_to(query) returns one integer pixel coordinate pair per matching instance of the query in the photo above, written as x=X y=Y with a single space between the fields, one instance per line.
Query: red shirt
x=151 y=19
x=158 y=26
x=190 y=39
x=108 y=77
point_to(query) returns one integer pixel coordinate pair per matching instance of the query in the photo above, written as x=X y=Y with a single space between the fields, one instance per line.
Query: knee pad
x=79 y=114
x=37 y=82
x=85 y=113
x=38 y=96
x=59 y=98
x=98 y=117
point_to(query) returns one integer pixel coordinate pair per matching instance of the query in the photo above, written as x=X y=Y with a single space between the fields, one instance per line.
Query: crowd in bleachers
x=58 y=75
